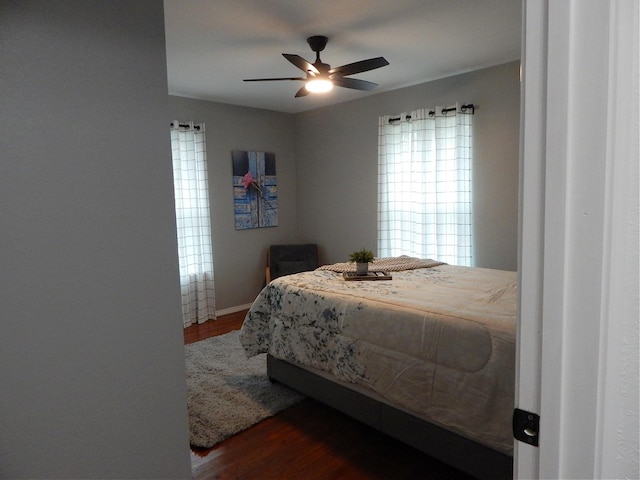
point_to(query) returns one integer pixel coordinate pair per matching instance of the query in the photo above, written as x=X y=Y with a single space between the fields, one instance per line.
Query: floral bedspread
x=438 y=342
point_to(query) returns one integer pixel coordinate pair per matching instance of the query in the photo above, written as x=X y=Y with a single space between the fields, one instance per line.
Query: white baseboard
x=237 y=308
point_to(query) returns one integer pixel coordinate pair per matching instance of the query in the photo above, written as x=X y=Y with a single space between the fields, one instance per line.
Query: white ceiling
x=212 y=45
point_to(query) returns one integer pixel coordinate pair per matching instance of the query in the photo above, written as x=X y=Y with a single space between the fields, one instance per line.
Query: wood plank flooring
x=308 y=441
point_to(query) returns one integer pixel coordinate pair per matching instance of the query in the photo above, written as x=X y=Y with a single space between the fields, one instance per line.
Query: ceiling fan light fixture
x=319 y=85
x=321 y=77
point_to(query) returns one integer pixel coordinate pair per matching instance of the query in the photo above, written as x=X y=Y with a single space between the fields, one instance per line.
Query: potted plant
x=362 y=258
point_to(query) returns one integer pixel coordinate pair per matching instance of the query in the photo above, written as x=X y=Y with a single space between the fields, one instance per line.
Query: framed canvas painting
x=255 y=189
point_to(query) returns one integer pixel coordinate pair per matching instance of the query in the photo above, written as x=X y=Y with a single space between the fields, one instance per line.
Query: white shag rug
x=228 y=392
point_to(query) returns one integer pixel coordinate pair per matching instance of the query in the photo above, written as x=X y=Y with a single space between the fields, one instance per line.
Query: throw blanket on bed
x=438 y=342
x=390 y=264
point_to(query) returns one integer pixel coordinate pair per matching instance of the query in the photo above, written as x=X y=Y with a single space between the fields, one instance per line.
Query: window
x=424 y=184
x=193 y=221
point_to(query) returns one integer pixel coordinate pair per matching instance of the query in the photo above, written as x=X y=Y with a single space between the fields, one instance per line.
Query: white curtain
x=424 y=184
x=189 y=154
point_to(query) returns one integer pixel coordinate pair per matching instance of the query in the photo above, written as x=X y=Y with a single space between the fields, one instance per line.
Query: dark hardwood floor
x=308 y=441
x=219 y=326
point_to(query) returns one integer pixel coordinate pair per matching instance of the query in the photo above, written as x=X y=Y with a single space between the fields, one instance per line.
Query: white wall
x=240 y=255
x=91 y=359
x=336 y=157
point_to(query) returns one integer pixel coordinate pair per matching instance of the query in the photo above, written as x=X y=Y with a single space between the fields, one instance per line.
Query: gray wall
x=327 y=173
x=91 y=357
x=240 y=255
x=92 y=381
x=336 y=157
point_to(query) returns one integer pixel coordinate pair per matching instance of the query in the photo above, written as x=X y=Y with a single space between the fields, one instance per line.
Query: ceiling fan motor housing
x=317 y=42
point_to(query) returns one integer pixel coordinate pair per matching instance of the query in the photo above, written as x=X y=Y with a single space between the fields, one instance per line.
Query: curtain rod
x=444 y=111
x=186 y=125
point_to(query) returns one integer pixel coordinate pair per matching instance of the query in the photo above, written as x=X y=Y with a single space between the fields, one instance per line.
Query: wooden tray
x=371 y=275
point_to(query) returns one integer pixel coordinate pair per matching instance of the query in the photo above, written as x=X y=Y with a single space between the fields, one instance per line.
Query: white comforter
x=438 y=342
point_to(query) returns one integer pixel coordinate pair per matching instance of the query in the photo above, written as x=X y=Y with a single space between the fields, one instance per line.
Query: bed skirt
x=470 y=457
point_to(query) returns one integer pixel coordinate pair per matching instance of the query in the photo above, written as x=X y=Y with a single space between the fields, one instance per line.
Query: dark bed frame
x=465 y=455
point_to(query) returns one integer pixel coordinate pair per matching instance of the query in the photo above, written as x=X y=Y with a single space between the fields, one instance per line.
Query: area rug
x=228 y=392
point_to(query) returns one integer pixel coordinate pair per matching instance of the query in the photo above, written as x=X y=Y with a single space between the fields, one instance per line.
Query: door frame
x=578 y=248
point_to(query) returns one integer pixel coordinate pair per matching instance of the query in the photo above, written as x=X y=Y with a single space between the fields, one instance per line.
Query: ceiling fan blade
x=302 y=92
x=272 y=79
x=354 y=83
x=301 y=63
x=358 y=67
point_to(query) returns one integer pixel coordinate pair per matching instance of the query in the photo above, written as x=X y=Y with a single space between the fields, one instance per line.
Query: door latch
x=526 y=427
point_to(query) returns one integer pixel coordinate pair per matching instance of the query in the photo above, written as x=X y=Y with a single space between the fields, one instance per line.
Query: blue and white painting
x=255 y=189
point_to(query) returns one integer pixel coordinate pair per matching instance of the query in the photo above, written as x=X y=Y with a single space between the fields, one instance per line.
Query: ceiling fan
x=321 y=77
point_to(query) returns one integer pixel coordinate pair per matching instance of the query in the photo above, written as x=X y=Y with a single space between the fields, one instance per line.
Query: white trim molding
x=229 y=310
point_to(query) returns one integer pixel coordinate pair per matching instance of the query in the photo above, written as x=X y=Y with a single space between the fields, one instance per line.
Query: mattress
x=437 y=342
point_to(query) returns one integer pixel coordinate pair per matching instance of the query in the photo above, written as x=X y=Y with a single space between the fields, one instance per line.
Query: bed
x=427 y=357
